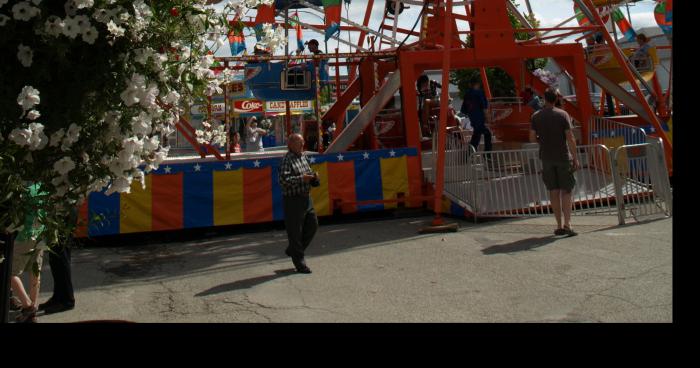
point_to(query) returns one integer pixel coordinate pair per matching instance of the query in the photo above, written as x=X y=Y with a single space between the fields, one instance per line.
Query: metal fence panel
x=642 y=183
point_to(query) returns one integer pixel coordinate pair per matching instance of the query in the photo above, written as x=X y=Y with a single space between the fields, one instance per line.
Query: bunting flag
x=332 y=10
x=663 y=13
x=624 y=26
x=266 y=14
x=583 y=21
x=220 y=193
x=236 y=41
x=294 y=22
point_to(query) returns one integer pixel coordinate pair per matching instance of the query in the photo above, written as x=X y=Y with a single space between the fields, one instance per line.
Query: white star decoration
x=167 y=169
x=392 y=153
x=256 y=163
x=197 y=167
x=228 y=166
x=340 y=157
x=365 y=155
x=312 y=159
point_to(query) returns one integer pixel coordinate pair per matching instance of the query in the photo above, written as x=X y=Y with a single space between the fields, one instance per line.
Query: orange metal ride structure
x=440 y=44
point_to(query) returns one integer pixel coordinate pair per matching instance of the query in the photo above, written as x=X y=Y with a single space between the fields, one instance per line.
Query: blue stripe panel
x=368 y=184
x=277 y=205
x=198 y=193
x=103 y=214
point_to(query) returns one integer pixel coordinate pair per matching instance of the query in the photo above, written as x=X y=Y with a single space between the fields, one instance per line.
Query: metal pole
x=441 y=130
x=7 y=243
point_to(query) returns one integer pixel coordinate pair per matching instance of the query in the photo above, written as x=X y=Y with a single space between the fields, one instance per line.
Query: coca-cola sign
x=247 y=106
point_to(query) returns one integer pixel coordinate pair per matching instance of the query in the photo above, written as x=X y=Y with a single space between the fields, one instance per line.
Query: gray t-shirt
x=550 y=125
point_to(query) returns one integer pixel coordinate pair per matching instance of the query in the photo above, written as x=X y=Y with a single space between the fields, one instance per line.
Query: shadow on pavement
x=247 y=283
x=520 y=245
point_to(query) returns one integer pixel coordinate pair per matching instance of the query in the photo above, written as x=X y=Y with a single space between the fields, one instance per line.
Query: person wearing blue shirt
x=475 y=106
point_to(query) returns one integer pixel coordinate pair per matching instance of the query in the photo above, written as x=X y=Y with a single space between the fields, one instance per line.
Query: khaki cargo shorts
x=558 y=175
x=21 y=260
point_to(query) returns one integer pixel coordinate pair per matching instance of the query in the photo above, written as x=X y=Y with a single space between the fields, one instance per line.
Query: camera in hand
x=315 y=182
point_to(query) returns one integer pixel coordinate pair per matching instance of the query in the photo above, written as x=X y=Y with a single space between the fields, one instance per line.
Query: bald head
x=296 y=143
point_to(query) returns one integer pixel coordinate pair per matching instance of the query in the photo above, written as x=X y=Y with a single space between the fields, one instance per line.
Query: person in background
x=254 y=136
x=236 y=142
x=27 y=254
x=62 y=298
x=475 y=106
x=641 y=57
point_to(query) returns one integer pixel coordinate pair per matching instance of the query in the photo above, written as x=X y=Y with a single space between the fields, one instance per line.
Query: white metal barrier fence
x=642 y=183
x=630 y=181
x=509 y=183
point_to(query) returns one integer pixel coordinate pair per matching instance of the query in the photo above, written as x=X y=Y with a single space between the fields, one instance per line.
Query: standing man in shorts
x=553 y=130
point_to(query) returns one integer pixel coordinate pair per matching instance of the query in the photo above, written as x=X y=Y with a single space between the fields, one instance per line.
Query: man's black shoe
x=300 y=265
x=57 y=307
x=47 y=303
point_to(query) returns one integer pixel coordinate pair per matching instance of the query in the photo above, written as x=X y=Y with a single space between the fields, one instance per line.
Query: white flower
x=33 y=115
x=101 y=15
x=70 y=8
x=151 y=144
x=120 y=185
x=148 y=96
x=90 y=35
x=72 y=135
x=20 y=137
x=64 y=166
x=213 y=88
x=38 y=140
x=28 y=98
x=24 y=11
x=141 y=56
x=80 y=4
x=82 y=21
x=133 y=92
x=56 y=137
x=114 y=29
x=70 y=27
x=53 y=26
x=141 y=125
x=172 y=98
x=3 y=19
x=25 y=55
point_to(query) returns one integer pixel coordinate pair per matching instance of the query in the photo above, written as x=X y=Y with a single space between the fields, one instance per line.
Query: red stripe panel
x=257 y=195
x=414 y=180
x=341 y=184
x=82 y=230
x=166 y=197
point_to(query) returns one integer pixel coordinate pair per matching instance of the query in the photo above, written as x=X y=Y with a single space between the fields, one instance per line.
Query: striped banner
x=220 y=193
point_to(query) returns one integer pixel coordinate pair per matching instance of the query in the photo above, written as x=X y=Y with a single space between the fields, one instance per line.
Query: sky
x=548 y=12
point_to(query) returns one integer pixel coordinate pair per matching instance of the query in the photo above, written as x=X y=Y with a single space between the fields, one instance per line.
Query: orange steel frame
x=493 y=45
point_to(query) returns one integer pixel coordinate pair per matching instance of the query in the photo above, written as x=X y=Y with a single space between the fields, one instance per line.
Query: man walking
x=296 y=180
x=552 y=128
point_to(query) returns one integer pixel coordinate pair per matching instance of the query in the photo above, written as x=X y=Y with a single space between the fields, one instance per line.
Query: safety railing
x=509 y=183
x=642 y=183
x=613 y=134
x=629 y=181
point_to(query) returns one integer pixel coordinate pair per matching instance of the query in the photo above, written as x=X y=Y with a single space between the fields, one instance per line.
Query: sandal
x=559 y=231
x=28 y=315
x=569 y=232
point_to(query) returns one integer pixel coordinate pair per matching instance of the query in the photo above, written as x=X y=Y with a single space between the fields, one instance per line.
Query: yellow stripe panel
x=319 y=194
x=394 y=178
x=228 y=197
x=135 y=208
